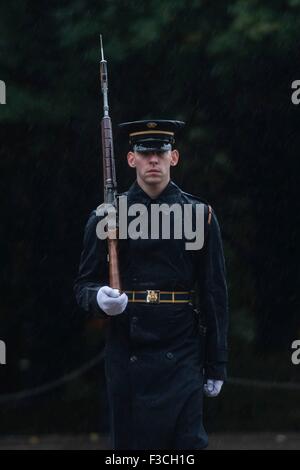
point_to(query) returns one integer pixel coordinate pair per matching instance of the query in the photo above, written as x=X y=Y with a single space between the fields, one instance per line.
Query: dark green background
x=226 y=69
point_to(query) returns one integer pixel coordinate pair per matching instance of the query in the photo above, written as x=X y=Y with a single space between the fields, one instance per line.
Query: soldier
x=162 y=350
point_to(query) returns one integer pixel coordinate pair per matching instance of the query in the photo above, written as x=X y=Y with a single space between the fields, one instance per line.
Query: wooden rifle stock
x=109 y=177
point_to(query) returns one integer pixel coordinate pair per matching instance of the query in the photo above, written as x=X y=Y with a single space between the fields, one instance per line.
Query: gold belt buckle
x=153 y=296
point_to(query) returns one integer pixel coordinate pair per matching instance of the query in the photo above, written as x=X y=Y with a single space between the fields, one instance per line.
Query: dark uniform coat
x=156 y=355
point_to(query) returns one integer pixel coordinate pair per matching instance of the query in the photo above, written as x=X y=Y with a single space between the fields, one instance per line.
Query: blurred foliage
x=226 y=69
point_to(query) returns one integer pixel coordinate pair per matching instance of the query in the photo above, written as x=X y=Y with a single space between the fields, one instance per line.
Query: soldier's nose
x=153 y=156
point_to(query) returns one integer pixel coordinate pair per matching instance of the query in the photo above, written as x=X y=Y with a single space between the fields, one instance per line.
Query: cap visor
x=152 y=148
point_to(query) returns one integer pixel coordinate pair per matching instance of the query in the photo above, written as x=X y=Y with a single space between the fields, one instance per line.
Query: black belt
x=158 y=296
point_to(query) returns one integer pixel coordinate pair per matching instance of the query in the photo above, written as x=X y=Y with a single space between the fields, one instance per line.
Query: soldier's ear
x=174 y=157
x=131 y=159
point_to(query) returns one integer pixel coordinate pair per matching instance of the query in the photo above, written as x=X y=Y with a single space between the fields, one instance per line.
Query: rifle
x=109 y=176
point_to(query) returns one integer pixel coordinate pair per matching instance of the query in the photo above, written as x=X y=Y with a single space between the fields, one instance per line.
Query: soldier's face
x=153 y=167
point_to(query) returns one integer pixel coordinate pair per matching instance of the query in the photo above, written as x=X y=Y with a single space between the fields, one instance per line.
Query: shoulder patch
x=209 y=214
x=208 y=208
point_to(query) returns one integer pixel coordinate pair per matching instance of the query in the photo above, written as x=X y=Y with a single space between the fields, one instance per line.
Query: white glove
x=213 y=387
x=110 y=301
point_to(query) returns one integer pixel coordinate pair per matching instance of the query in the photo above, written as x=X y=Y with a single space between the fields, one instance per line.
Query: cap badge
x=151 y=125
